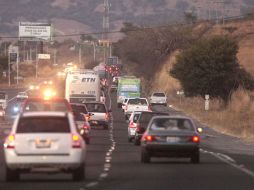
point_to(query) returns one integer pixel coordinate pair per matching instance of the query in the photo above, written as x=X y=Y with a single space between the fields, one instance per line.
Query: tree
x=211 y=67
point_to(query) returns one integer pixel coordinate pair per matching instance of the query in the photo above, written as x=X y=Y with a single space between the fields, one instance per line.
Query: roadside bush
x=210 y=66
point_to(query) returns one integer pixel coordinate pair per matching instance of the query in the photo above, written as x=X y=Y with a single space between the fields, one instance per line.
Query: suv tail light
x=76 y=142
x=149 y=138
x=10 y=142
x=195 y=139
x=85 y=127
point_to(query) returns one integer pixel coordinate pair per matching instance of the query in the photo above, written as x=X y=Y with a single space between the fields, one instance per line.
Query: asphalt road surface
x=114 y=164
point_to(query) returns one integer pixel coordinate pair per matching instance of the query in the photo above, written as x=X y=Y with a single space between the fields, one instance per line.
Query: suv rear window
x=79 y=108
x=43 y=125
x=46 y=106
x=137 y=101
x=159 y=94
x=93 y=107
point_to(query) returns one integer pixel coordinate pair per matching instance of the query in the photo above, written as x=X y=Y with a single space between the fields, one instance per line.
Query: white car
x=22 y=96
x=136 y=104
x=100 y=116
x=133 y=125
x=44 y=142
x=159 y=98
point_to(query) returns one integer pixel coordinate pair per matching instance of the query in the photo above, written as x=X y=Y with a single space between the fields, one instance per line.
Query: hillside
x=73 y=16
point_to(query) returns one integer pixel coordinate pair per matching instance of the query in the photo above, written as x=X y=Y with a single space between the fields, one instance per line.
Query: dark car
x=142 y=123
x=170 y=136
x=81 y=117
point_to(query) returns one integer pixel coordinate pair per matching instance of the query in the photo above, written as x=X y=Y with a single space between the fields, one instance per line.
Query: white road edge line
x=228 y=160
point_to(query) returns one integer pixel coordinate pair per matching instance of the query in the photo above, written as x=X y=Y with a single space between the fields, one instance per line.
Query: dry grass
x=235 y=119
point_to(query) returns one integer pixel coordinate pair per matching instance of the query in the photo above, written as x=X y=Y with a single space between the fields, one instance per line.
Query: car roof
x=172 y=117
x=136 y=98
x=44 y=114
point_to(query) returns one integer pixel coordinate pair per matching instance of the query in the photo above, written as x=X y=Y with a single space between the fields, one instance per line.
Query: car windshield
x=45 y=106
x=93 y=107
x=43 y=125
x=137 y=101
x=171 y=124
x=159 y=94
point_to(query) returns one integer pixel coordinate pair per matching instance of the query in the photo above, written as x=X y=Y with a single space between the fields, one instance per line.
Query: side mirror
x=200 y=130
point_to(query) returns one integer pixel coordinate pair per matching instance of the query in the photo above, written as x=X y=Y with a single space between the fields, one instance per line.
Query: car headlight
x=15 y=109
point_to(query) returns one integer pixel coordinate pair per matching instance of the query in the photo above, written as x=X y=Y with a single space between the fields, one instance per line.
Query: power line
x=136 y=29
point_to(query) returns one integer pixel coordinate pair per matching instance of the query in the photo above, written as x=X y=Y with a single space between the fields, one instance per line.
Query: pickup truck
x=135 y=104
x=158 y=98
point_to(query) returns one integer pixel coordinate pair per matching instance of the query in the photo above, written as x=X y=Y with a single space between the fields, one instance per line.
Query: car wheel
x=129 y=139
x=165 y=104
x=79 y=173
x=119 y=105
x=11 y=175
x=195 y=158
x=145 y=157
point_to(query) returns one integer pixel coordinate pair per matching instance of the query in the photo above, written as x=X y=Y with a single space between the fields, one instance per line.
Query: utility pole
x=105 y=24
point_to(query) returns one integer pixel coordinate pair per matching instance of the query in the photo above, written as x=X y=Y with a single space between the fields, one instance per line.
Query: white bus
x=82 y=86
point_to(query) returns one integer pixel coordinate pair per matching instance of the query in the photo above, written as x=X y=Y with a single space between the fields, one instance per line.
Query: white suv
x=44 y=142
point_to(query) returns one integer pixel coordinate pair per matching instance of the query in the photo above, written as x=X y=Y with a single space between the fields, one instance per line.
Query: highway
x=113 y=163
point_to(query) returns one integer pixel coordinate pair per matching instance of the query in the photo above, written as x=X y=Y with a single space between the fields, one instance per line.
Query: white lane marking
x=228 y=160
x=92 y=184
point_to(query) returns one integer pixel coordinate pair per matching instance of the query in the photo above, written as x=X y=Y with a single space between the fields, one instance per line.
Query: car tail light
x=138 y=130
x=9 y=142
x=149 y=138
x=87 y=117
x=132 y=125
x=76 y=142
x=149 y=108
x=107 y=116
x=195 y=139
x=85 y=127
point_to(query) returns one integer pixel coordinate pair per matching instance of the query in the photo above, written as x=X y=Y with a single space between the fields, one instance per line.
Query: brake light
x=195 y=139
x=132 y=125
x=9 y=142
x=149 y=138
x=107 y=116
x=138 y=130
x=85 y=127
x=76 y=142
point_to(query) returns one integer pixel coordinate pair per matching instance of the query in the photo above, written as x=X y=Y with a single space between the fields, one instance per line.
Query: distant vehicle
x=100 y=115
x=128 y=87
x=2 y=113
x=39 y=135
x=158 y=98
x=3 y=99
x=124 y=104
x=34 y=87
x=142 y=123
x=82 y=86
x=40 y=104
x=170 y=136
x=113 y=87
x=17 y=108
x=132 y=126
x=82 y=117
x=21 y=96
x=136 y=104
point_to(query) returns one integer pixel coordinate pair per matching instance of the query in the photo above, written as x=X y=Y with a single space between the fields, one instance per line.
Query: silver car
x=170 y=136
x=44 y=142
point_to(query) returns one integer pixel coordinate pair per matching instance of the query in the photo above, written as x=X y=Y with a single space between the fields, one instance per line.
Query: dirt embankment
x=235 y=119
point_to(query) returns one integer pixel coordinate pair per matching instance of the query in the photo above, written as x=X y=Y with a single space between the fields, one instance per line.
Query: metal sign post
x=206 y=102
x=13 y=52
